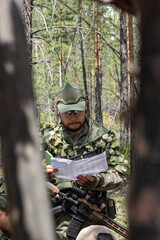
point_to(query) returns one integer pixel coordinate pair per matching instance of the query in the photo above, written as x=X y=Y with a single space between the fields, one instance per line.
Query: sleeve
x=107 y=181
x=117 y=164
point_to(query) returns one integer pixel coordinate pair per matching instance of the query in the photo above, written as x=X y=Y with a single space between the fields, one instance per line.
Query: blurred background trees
x=80 y=42
x=91 y=44
x=88 y=43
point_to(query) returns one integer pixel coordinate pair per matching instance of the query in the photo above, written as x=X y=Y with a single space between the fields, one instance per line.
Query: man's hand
x=51 y=170
x=86 y=181
x=5 y=223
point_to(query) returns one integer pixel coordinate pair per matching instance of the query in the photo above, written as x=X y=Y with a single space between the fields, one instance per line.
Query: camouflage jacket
x=3 y=204
x=94 y=137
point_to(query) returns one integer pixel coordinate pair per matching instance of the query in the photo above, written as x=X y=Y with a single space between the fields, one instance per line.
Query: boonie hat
x=91 y=232
x=70 y=97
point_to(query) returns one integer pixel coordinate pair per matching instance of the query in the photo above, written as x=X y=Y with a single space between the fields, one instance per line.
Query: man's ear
x=57 y=110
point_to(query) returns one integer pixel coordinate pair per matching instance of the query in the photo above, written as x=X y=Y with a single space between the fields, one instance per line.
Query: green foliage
x=55 y=34
x=51 y=21
x=126 y=153
x=110 y=122
x=121 y=162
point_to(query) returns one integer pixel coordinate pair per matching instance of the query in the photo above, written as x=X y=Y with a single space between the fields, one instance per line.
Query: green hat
x=70 y=97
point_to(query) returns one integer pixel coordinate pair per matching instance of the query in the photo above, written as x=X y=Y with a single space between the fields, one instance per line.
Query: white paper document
x=71 y=169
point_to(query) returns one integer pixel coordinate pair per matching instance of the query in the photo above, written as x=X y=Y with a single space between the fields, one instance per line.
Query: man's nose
x=73 y=115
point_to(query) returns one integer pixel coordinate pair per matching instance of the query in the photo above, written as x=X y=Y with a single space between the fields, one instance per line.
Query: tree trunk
x=82 y=56
x=27 y=16
x=61 y=80
x=75 y=67
x=90 y=77
x=124 y=124
x=22 y=160
x=133 y=133
x=93 y=85
x=144 y=208
x=98 y=67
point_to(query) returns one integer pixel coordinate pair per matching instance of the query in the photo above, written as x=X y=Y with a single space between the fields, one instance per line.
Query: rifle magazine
x=74 y=227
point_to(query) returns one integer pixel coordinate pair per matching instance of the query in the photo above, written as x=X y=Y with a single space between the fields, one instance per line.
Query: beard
x=73 y=130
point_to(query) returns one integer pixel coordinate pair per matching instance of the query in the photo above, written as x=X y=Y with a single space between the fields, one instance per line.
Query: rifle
x=83 y=204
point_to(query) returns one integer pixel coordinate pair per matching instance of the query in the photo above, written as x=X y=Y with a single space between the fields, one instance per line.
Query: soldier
x=77 y=137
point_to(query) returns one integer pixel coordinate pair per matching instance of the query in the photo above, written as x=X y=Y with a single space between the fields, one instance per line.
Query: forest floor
x=119 y=195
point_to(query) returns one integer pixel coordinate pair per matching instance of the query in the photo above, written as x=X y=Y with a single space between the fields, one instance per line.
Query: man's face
x=73 y=121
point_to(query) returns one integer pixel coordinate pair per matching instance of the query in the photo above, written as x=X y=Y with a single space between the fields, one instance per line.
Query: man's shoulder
x=96 y=128
x=100 y=127
x=51 y=131
x=51 y=127
x=99 y=133
x=95 y=132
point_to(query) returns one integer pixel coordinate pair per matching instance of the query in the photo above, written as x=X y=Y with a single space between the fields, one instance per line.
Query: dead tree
x=22 y=161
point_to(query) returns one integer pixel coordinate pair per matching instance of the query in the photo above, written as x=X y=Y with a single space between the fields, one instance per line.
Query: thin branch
x=114 y=50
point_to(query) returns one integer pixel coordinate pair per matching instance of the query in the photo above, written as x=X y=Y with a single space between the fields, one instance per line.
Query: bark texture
x=18 y=130
x=27 y=16
x=124 y=124
x=98 y=66
x=145 y=197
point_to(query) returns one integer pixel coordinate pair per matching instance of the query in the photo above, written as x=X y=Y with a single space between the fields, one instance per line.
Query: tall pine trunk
x=98 y=66
x=61 y=80
x=82 y=55
x=27 y=16
x=124 y=123
x=133 y=133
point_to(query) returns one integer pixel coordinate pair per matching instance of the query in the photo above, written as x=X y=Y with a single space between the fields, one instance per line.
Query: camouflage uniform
x=3 y=205
x=93 y=139
x=60 y=144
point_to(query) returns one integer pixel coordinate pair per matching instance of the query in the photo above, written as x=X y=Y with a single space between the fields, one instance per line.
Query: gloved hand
x=89 y=182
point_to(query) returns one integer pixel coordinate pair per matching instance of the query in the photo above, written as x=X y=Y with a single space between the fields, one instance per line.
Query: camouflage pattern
x=60 y=144
x=94 y=136
x=3 y=194
x=70 y=98
x=4 y=236
x=70 y=94
x=3 y=204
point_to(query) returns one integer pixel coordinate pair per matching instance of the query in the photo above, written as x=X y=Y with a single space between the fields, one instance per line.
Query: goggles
x=69 y=113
